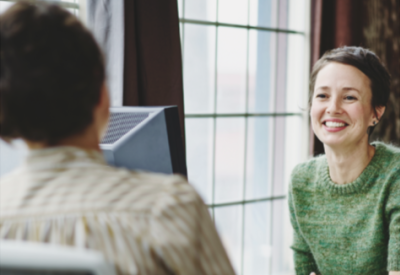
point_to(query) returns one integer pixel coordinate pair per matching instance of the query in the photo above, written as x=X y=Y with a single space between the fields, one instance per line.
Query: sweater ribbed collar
x=367 y=177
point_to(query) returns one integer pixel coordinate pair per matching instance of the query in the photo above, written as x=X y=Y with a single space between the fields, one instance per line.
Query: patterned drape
x=382 y=35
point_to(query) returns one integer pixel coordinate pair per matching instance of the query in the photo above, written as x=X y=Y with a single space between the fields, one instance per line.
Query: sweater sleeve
x=303 y=258
x=393 y=216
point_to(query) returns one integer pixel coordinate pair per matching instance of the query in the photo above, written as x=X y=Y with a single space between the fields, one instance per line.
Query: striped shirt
x=144 y=223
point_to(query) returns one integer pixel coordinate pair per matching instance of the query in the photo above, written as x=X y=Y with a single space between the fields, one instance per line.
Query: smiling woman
x=345 y=204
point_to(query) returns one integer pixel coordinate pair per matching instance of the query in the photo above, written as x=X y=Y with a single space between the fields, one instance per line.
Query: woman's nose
x=334 y=106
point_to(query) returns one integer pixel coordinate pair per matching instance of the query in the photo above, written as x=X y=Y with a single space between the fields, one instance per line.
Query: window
x=245 y=88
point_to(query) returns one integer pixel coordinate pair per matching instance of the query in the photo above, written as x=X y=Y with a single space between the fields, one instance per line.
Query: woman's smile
x=334 y=125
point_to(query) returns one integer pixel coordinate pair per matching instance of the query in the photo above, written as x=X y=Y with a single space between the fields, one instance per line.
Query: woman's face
x=341 y=110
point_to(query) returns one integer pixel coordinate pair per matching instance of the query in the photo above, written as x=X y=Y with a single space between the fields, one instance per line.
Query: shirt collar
x=62 y=156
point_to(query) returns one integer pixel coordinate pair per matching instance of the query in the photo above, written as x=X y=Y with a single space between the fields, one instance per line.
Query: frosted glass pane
x=199 y=146
x=231 y=70
x=279 y=157
x=283 y=9
x=259 y=158
x=297 y=15
x=264 y=13
x=180 y=8
x=229 y=224
x=181 y=30
x=233 y=11
x=11 y=155
x=281 y=77
x=282 y=237
x=296 y=86
x=257 y=240
x=295 y=142
x=199 y=68
x=205 y=10
x=288 y=144
x=229 y=159
x=262 y=55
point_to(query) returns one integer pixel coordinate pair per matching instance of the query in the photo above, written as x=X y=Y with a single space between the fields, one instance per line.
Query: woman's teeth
x=332 y=124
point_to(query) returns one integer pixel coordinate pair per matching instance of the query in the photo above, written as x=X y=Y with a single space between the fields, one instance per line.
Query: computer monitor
x=140 y=138
x=145 y=138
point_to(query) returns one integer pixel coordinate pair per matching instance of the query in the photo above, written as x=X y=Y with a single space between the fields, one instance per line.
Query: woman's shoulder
x=388 y=165
x=388 y=156
x=387 y=148
x=306 y=174
x=309 y=167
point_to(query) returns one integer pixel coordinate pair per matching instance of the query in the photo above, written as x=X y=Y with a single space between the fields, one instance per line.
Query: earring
x=374 y=122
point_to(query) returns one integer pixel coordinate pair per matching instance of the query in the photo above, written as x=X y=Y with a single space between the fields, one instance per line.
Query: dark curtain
x=373 y=24
x=152 y=59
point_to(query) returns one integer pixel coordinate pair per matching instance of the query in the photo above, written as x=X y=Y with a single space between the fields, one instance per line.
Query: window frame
x=303 y=114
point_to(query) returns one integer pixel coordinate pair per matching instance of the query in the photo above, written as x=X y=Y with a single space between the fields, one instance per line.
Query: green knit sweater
x=347 y=229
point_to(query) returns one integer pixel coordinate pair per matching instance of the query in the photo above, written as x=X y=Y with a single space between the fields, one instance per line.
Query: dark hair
x=51 y=73
x=364 y=60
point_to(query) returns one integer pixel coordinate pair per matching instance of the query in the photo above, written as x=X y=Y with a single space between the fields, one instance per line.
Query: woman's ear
x=379 y=111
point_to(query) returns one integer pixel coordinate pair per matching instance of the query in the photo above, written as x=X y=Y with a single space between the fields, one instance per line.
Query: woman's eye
x=321 y=96
x=350 y=97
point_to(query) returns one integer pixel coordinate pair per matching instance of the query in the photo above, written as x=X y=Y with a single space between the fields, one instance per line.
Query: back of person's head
x=51 y=73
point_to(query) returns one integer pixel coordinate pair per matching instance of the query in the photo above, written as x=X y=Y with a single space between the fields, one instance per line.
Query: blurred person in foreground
x=345 y=205
x=54 y=97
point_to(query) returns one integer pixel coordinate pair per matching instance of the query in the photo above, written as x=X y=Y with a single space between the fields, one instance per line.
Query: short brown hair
x=51 y=73
x=364 y=60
